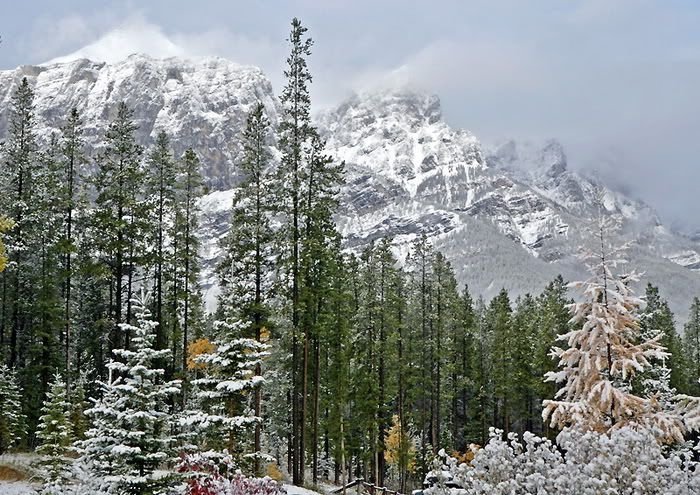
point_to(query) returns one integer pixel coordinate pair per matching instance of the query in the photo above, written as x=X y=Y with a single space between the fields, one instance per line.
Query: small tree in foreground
x=55 y=436
x=12 y=421
x=131 y=434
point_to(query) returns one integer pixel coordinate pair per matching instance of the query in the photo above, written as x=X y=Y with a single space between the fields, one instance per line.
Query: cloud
x=133 y=35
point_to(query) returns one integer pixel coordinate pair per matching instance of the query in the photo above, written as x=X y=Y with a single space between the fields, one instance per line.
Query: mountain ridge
x=511 y=215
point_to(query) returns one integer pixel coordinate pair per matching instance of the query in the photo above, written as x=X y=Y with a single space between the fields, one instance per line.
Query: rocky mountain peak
x=411 y=108
x=510 y=216
x=201 y=103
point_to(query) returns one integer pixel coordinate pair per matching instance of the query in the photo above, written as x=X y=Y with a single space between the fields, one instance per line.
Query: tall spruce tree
x=72 y=156
x=498 y=319
x=17 y=195
x=160 y=193
x=117 y=214
x=295 y=130
x=246 y=267
x=665 y=376
x=184 y=296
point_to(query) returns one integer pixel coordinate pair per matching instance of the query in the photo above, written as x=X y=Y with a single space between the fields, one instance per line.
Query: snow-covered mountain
x=511 y=216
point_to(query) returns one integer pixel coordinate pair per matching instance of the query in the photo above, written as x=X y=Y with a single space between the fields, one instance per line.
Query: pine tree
x=160 y=192
x=498 y=318
x=76 y=414
x=605 y=354
x=295 y=129
x=20 y=163
x=12 y=421
x=249 y=253
x=308 y=189
x=691 y=347
x=131 y=434
x=118 y=212
x=552 y=321
x=185 y=297
x=224 y=391
x=54 y=433
x=463 y=364
x=73 y=158
x=656 y=322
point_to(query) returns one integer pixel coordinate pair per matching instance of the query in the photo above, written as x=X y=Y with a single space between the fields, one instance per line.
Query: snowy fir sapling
x=130 y=439
x=12 y=421
x=55 y=436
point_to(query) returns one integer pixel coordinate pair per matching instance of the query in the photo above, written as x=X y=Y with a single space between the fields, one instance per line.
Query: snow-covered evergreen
x=55 y=436
x=131 y=434
x=222 y=396
x=12 y=421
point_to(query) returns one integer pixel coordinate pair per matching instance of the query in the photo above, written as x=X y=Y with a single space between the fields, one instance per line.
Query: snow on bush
x=625 y=462
x=212 y=473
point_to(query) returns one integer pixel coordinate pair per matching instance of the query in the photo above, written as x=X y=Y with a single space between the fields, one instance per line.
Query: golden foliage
x=274 y=472
x=468 y=456
x=399 y=449
x=197 y=348
x=5 y=225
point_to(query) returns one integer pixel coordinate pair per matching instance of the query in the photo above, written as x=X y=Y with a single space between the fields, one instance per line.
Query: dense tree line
x=334 y=363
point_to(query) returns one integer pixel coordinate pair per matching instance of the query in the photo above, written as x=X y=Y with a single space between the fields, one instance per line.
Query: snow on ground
x=295 y=490
x=16 y=488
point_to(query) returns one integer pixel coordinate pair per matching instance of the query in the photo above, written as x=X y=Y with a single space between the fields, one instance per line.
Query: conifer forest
x=321 y=362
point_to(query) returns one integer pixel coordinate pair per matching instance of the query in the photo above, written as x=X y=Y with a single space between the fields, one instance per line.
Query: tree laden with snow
x=55 y=436
x=223 y=412
x=249 y=248
x=12 y=421
x=130 y=438
x=605 y=352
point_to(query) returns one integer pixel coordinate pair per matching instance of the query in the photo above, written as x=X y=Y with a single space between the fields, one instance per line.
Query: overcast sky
x=617 y=81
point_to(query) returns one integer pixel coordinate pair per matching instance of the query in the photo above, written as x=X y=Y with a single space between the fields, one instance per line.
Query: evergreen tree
x=131 y=434
x=524 y=404
x=498 y=319
x=224 y=391
x=308 y=188
x=249 y=253
x=463 y=370
x=185 y=295
x=160 y=192
x=71 y=204
x=295 y=129
x=12 y=421
x=552 y=321
x=656 y=323
x=118 y=213
x=55 y=436
x=691 y=347
x=20 y=163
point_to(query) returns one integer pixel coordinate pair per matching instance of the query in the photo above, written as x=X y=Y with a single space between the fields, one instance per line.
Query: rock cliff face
x=202 y=103
x=511 y=216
